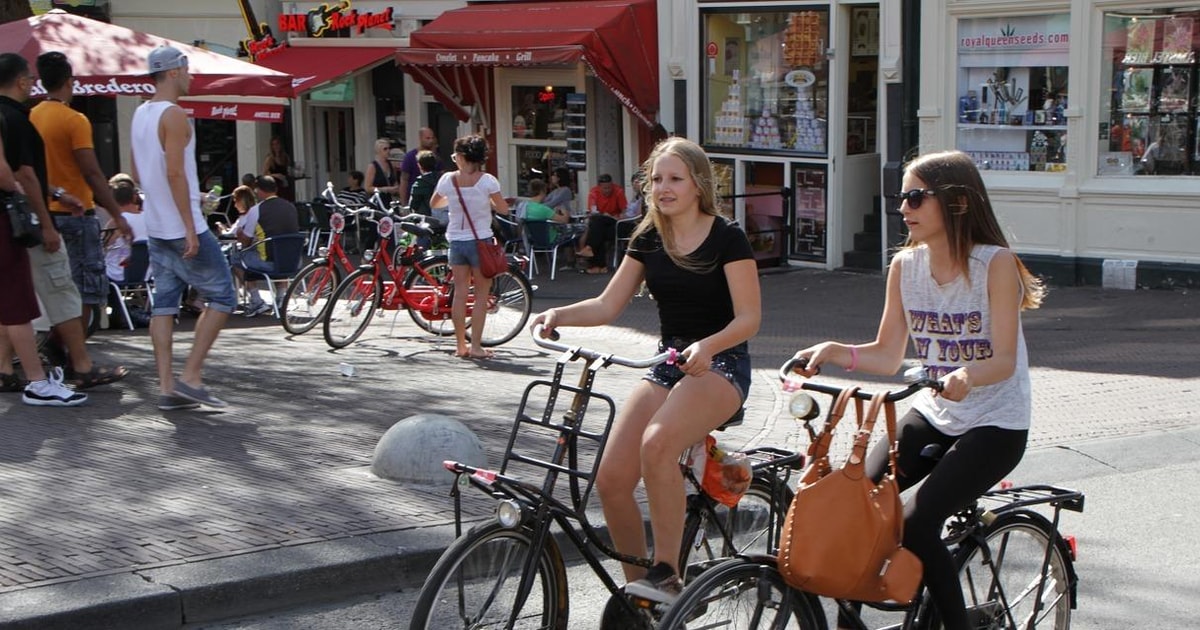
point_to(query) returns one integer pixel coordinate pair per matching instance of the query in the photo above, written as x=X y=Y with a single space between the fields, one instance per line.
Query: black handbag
x=26 y=229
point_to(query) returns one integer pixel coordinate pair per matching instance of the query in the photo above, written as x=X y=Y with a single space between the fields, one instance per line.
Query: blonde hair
x=383 y=143
x=700 y=168
x=967 y=213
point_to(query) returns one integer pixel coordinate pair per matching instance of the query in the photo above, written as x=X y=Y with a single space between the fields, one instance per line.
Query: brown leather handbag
x=843 y=532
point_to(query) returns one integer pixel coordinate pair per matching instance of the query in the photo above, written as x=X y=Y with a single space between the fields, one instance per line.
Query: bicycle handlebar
x=670 y=356
x=918 y=378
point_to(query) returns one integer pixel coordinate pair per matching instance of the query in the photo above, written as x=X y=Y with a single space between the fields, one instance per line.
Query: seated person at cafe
x=537 y=210
x=272 y=216
x=117 y=250
x=353 y=195
x=605 y=204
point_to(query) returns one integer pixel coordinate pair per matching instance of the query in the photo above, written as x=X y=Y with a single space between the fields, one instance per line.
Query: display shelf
x=1027 y=128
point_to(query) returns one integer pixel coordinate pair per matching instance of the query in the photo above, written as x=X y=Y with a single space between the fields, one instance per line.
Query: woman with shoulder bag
x=957 y=291
x=471 y=195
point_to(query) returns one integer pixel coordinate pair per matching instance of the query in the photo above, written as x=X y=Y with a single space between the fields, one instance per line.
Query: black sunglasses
x=915 y=196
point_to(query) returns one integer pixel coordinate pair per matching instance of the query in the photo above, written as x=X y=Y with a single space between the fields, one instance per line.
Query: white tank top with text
x=161 y=215
x=950 y=327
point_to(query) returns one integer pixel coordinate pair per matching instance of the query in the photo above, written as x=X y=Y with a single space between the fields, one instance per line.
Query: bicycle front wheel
x=351 y=308
x=510 y=301
x=743 y=594
x=753 y=526
x=428 y=290
x=1008 y=573
x=475 y=582
x=307 y=297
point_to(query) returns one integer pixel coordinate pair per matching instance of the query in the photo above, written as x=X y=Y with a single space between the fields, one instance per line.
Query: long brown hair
x=696 y=161
x=967 y=213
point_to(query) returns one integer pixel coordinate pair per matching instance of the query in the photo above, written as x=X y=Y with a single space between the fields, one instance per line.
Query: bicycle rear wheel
x=351 y=308
x=1008 y=572
x=743 y=594
x=510 y=301
x=424 y=292
x=753 y=525
x=307 y=297
x=474 y=584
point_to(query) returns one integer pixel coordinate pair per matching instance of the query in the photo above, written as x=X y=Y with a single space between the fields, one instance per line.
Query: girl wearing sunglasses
x=955 y=290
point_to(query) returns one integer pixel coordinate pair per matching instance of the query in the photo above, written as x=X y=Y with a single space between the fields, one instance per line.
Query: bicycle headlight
x=322 y=252
x=803 y=406
x=368 y=256
x=510 y=513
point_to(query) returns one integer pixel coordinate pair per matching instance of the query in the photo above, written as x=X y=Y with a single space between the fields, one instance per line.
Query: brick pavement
x=118 y=486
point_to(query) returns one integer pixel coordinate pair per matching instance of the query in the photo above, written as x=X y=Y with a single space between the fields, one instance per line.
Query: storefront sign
x=1042 y=33
x=124 y=86
x=326 y=18
x=262 y=42
x=253 y=112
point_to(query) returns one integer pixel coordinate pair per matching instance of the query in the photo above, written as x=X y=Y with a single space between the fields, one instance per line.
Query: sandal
x=595 y=271
x=96 y=376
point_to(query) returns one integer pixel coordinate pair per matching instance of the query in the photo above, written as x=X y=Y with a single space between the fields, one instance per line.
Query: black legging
x=970 y=465
x=599 y=232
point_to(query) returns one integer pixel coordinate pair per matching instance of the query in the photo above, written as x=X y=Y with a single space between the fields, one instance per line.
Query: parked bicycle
x=510 y=572
x=309 y=292
x=420 y=283
x=1016 y=569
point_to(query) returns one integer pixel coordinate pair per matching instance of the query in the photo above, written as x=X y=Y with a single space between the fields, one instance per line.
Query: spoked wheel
x=1008 y=574
x=307 y=297
x=351 y=308
x=475 y=582
x=743 y=594
x=510 y=302
x=428 y=288
x=753 y=524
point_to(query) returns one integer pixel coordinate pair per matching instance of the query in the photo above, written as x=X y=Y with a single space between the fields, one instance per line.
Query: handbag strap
x=819 y=447
x=867 y=426
x=466 y=210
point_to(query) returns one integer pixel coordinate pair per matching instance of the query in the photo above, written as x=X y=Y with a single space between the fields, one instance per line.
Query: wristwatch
x=57 y=193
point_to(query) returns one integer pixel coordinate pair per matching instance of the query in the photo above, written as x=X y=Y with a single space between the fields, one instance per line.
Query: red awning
x=111 y=60
x=617 y=39
x=314 y=66
x=215 y=110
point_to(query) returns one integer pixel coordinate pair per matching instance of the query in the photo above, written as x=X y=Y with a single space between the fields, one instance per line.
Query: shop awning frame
x=616 y=39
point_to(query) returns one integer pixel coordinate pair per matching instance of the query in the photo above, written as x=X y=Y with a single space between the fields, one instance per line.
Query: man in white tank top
x=183 y=251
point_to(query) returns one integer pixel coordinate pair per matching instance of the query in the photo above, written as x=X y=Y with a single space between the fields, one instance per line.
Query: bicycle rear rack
x=1008 y=499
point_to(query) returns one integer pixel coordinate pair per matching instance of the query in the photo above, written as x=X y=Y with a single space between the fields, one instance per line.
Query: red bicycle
x=308 y=293
x=420 y=283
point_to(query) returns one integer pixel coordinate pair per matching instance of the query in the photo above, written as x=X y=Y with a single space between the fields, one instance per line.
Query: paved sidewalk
x=116 y=514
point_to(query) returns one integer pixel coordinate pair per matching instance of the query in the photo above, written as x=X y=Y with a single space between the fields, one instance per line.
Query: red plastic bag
x=726 y=475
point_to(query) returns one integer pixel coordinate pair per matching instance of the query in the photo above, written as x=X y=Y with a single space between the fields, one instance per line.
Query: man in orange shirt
x=72 y=165
x=606 y=202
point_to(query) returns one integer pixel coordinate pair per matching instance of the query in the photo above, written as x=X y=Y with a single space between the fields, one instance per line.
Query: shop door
x=333 y=135
x=859 y=234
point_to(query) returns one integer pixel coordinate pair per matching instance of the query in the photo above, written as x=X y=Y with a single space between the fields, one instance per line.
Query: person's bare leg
x=74 y=337
x=22 y=339
x=458 y=308
x=696 y=406
x=479 y=316
x=162 y=329
x=620 y=470
x=207 y=328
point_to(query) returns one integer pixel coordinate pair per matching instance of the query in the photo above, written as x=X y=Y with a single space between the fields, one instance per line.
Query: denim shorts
x=81 y=239
x=733 y=364
x=464 y=253
x=251 y=262
x=208 y=273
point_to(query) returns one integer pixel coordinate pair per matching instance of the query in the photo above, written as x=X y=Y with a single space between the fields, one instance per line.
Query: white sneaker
x=254 y=310
x=51 y=392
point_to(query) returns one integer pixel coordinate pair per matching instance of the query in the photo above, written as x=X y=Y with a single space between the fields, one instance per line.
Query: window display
x=1012 y=92
x=538 y=112
x=766 y=80
x=1151 y=122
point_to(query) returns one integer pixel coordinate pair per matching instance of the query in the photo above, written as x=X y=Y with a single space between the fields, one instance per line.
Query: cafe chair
x=540 y=238
x=622 y=230
x=507 y=233
x=136 y=283
x=286 y=251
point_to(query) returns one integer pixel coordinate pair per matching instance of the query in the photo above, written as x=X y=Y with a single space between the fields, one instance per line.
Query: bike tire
x=474 y=583
x=510 y=302
x=351 y=308
x=1017 y=544
x=750 y=523
x=747 y=593
x=307 y=296
x=419 y=288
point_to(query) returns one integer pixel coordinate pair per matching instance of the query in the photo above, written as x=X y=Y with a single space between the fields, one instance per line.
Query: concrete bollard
x=414 y=448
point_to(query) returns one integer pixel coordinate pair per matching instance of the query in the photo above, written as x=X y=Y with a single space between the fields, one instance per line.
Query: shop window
x=1149 y=122
x=766 y=80
x=1012 y=91
x=538 y=112
x=387 y=83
